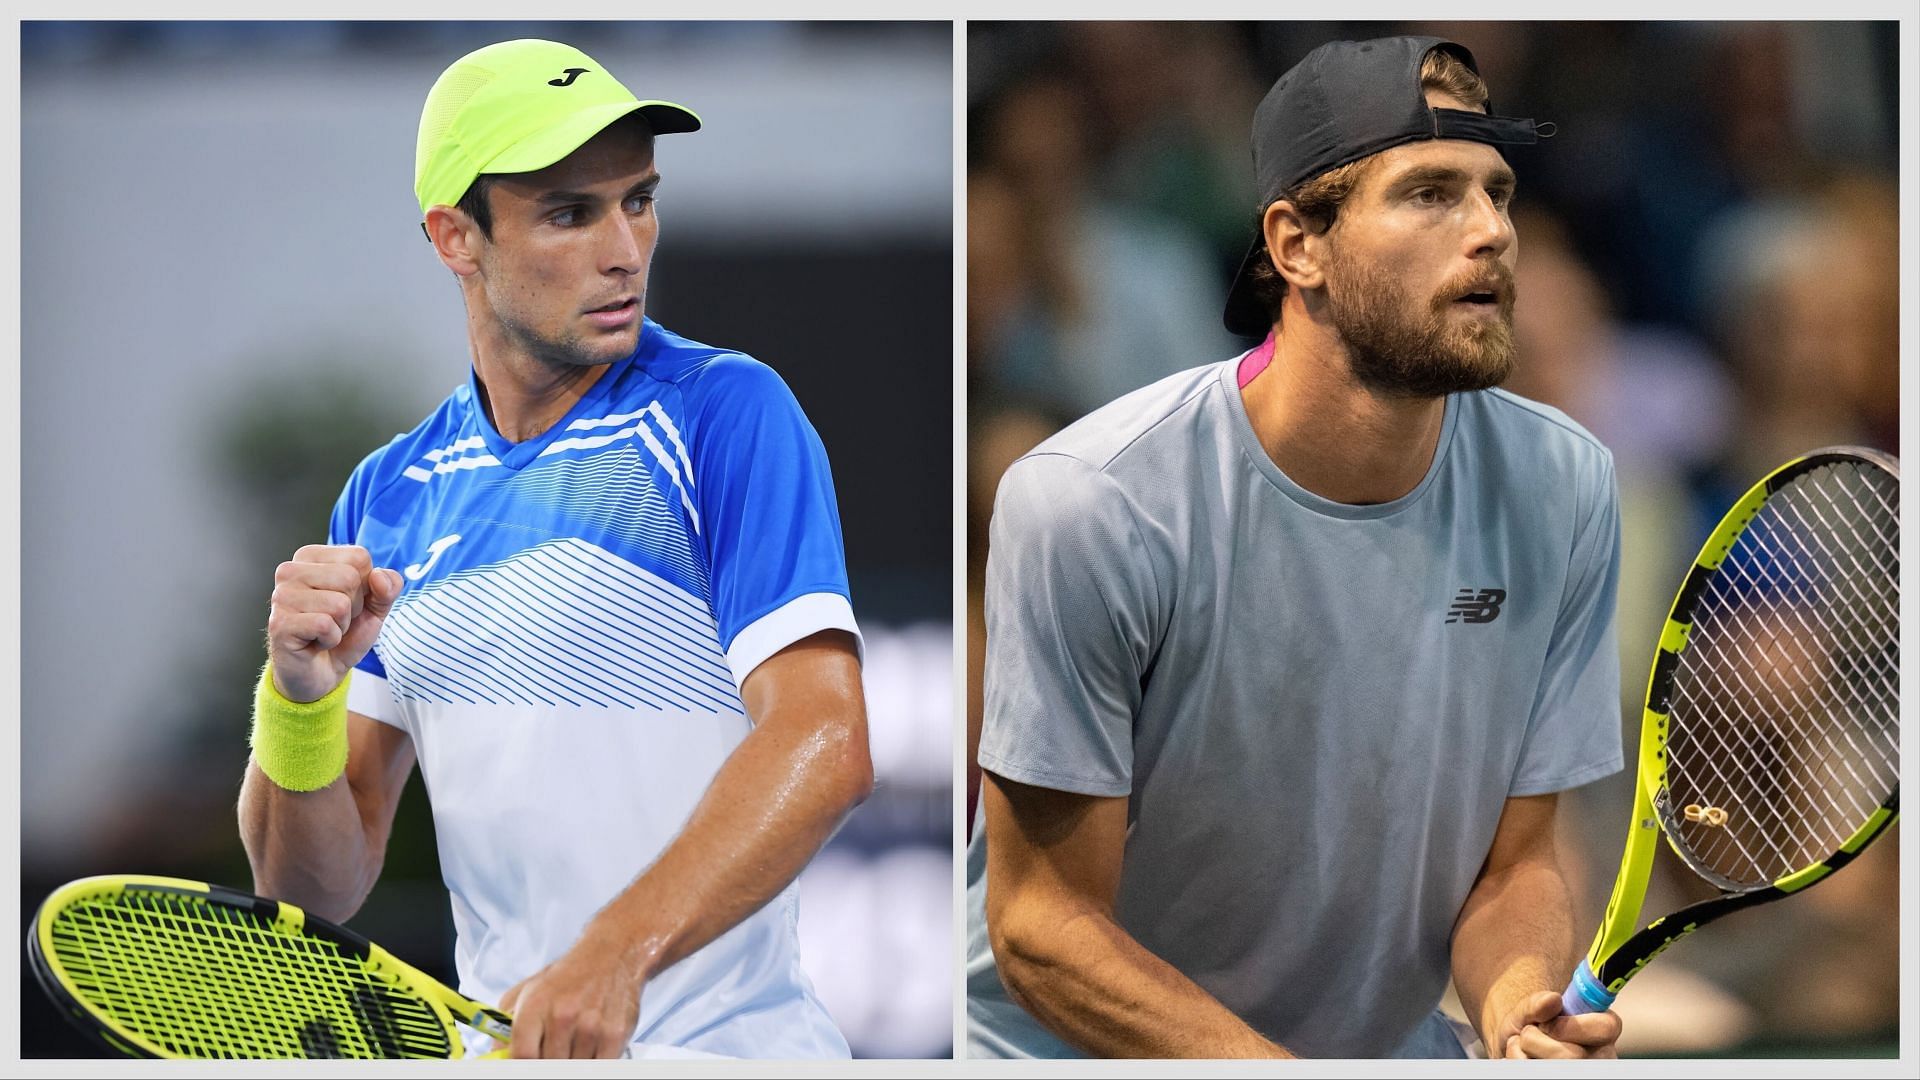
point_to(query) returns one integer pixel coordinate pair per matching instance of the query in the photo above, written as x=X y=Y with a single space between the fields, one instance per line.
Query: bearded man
x=1289 y=655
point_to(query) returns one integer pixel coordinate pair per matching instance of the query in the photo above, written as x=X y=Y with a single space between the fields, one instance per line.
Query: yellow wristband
x=301 y=746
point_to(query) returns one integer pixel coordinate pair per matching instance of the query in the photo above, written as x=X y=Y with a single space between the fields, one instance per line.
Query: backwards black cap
x=1345 y=101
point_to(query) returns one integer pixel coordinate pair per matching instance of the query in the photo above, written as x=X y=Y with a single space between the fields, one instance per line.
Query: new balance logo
x=571 y=74
x=1476 y=605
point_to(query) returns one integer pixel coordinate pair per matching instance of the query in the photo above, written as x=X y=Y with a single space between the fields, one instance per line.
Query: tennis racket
x=158 y=967
x=1770 y=741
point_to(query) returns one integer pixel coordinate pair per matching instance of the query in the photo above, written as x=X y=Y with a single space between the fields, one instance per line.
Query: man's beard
x=1396 y=352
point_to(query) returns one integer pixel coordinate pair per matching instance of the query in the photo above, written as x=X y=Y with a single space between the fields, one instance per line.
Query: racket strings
x=206 y=980
x=1784 y=732
x=1773 y=701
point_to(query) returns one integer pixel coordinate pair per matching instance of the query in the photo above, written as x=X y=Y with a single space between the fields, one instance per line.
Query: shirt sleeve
x=368 y=693
x=1070 y=606
x=767 y=516
x=1573 y=735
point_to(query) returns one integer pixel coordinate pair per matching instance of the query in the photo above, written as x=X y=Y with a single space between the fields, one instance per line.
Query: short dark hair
x=475 y=205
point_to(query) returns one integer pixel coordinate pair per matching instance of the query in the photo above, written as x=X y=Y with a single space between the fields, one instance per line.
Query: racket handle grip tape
x=1585 y=994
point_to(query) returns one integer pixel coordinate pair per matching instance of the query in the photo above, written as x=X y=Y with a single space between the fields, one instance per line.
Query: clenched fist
x=328 y=604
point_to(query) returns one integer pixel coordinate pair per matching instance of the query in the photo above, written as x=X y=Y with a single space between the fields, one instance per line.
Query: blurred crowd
x=1707 y=282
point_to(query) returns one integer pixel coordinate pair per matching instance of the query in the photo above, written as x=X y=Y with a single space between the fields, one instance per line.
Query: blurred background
x=1707 y=283
x=219 y=236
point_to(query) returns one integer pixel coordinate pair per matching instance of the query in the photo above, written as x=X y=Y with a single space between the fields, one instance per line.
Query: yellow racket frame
x=1620 y=948
x=446 y=1005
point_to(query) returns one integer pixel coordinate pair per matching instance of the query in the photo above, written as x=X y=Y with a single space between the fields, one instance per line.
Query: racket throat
x=1636 y=865
x=489 y=1022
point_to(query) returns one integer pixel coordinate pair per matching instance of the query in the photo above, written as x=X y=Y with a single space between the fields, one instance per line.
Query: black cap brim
x=1245 y=314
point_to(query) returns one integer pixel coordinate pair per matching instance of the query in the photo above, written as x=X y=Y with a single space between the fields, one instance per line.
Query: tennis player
x=1288 y=655
x=598 y=595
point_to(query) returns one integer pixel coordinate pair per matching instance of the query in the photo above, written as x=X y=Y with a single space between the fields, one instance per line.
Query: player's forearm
x=1088 y=981
x=1514 y=938
x=777 y=799
x=307 y=847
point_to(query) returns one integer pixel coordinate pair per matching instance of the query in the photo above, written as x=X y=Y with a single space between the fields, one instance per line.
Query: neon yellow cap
x=519 y=106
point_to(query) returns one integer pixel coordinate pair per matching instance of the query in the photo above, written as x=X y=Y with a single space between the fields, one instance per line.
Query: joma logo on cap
x=571 y=74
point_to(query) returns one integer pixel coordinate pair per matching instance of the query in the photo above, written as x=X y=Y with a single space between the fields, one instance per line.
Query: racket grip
x=1585 y=994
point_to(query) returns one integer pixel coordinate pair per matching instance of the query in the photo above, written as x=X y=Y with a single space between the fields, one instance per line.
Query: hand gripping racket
x=157 y=967
x=1770 y=742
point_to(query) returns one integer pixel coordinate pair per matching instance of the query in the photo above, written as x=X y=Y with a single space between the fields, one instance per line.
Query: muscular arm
x=322 y=850
x=1513 y=946
x=777 y=798
x=1053 y=869
x=774 y=803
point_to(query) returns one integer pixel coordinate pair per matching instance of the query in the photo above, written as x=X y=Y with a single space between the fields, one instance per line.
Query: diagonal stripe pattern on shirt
x=578 y=486
x=563 y=622
x=679 y=470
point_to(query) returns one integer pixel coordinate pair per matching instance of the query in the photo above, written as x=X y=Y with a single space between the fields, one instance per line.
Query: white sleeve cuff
x=786 y=624
x=370 y=696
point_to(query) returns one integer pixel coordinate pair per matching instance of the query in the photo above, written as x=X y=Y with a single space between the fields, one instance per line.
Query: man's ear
x=1297 y=254
x=456 y=239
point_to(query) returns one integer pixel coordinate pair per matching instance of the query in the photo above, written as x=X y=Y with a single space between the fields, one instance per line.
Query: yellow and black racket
x=1770 y=741
x=158 y=967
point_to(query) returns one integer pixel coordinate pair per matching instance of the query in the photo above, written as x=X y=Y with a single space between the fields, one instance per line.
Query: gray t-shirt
x=1315 y=709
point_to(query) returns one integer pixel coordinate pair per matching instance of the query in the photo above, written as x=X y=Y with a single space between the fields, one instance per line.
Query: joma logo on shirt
x=434 y=551
x=1476 y=605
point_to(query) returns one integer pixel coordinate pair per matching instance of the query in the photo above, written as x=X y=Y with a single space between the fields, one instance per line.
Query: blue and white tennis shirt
x=578 y=615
